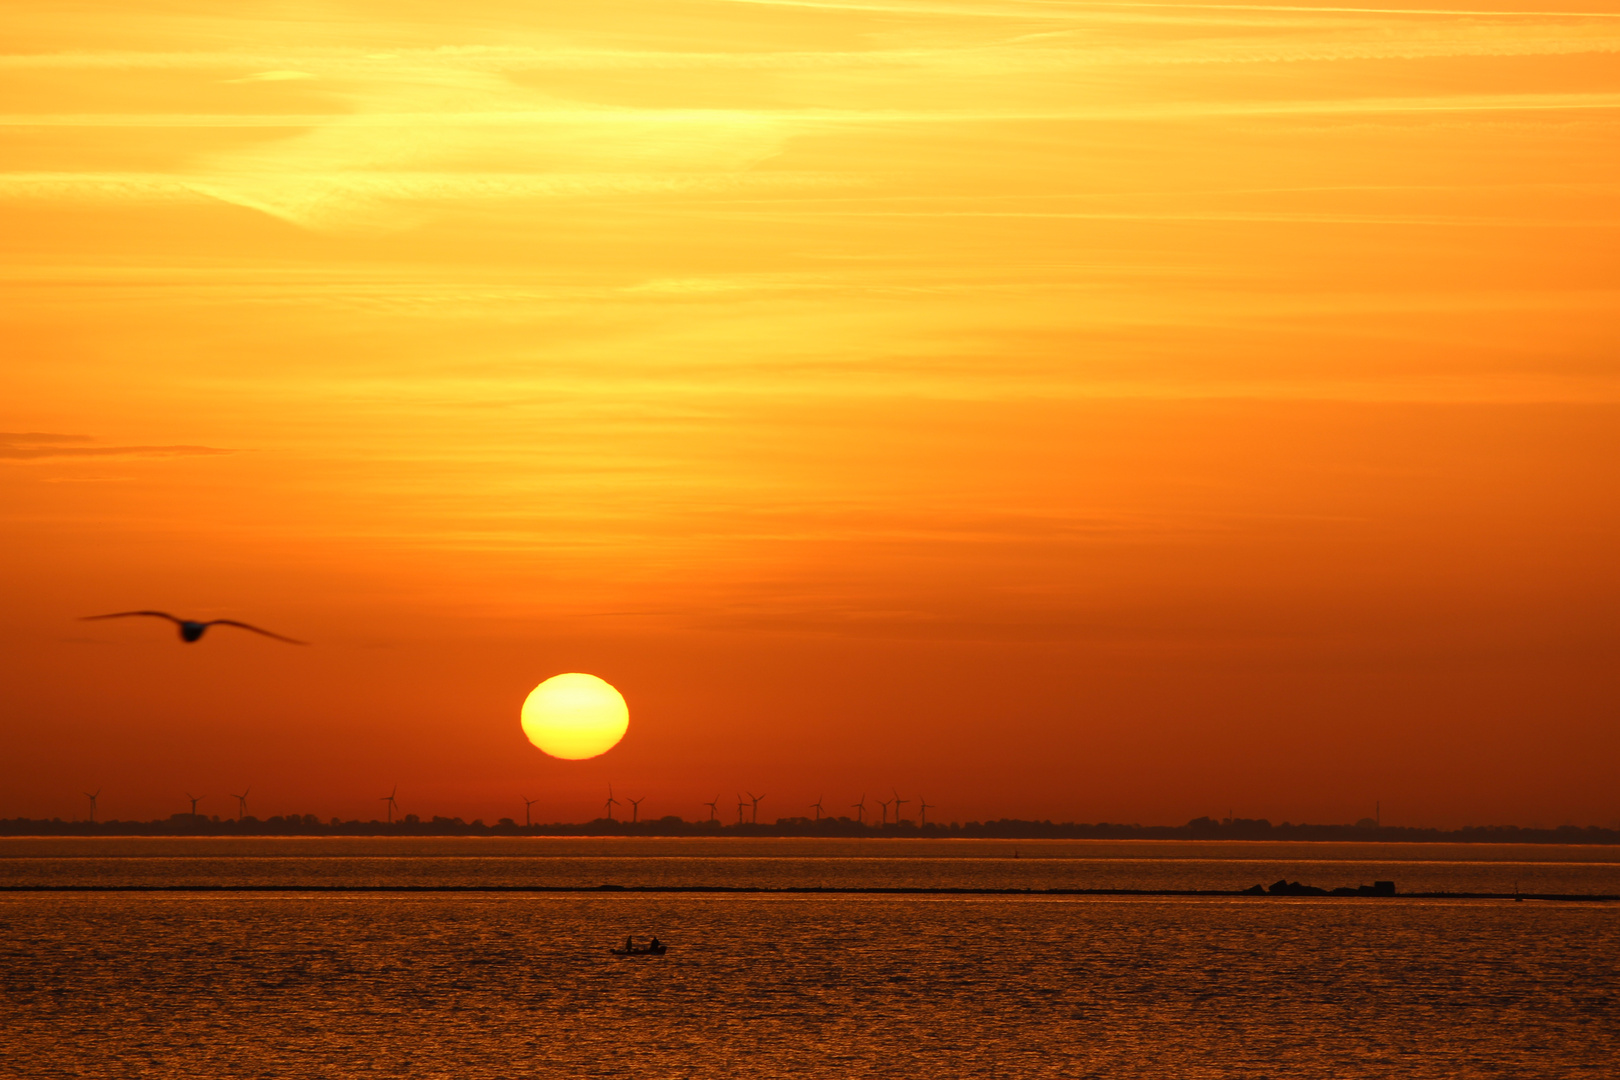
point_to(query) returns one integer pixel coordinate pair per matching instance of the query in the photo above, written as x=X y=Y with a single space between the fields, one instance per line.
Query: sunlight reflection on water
x=482 y=986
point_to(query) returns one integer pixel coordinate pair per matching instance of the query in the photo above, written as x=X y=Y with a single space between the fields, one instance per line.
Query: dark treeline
x=1005 y=829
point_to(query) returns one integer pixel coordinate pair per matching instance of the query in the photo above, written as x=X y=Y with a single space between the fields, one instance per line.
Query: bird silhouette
x=191 y=629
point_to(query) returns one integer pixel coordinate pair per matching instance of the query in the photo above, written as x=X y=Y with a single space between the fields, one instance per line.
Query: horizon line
x=1202 y=828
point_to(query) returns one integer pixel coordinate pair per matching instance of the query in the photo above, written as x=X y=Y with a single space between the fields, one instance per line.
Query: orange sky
x=1089 y=411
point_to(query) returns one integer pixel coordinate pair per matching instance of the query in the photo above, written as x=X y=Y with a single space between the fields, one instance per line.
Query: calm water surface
x=322 y=985
x=1074 y=864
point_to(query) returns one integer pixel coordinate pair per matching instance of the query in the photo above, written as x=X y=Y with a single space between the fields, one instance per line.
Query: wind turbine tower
x=195 y=799
x=527 y=802
x=741 y=802
x=860 y=810
x=756 y=799
x=713 y=807
x=923 y=806
x=611 y=802
x=816 y=806
x=885 y=806
x=635 y=808
x=93 y=799
x=393 y=804
x=898 y=803
x=241 y=803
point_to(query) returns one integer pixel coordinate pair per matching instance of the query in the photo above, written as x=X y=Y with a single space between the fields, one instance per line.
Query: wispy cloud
x=37 y=445
x=273 y=76
x=340 y=137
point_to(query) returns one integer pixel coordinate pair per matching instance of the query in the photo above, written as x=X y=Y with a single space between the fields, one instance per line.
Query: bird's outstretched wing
x=127 y=614
x=255 y=629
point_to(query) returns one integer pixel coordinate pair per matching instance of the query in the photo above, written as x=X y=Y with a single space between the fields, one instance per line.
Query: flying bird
x=191 y=629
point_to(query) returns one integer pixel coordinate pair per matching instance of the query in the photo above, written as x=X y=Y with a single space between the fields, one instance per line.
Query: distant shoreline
x=789 y=890
x=309 y=825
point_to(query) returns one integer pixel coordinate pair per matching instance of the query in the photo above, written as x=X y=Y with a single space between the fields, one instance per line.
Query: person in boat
x=654 y=946
x=630 y=944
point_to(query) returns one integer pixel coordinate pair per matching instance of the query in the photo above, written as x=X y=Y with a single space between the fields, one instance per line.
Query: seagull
x=190 y=629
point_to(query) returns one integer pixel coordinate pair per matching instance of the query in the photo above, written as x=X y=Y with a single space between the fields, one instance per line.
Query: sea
x=287 y=976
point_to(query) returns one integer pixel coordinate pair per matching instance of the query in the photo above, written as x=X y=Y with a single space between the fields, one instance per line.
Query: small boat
x=651 y=950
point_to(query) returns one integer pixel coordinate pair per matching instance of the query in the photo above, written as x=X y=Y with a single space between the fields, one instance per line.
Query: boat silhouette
x=653 y=948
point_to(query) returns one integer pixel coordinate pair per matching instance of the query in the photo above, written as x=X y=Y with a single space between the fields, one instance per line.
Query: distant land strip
x=1004 y=829
x=783 y=890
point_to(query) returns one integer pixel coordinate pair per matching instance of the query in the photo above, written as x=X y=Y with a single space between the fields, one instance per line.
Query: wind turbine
x=898 y=803
x=756 y=799
x=860 y=809
x=712 y=807
x=393 y=804
x=923 y=807
x=195 y=799
x=885 y=810
x=527 y=802
x=92 y=799
x=241 y=803
x=635 y=808
x=741 y=802
x=816 y=806
x=611 y=803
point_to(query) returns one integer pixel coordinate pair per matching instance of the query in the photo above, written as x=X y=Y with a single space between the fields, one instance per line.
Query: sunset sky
x=1086 y=411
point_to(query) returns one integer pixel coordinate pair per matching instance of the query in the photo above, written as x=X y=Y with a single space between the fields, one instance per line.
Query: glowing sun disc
x=575 y=716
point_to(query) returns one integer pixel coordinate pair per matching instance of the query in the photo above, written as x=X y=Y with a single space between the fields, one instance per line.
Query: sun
x=575 y=716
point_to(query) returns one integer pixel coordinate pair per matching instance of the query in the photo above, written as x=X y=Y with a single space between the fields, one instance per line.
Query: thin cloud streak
x=672 y=119
x=1075 y=11
x=39 y=446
